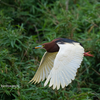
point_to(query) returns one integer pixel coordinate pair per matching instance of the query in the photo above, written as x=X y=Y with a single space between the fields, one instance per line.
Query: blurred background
x=25 y=24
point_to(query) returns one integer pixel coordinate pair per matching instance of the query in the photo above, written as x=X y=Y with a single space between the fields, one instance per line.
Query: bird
x=60 y=62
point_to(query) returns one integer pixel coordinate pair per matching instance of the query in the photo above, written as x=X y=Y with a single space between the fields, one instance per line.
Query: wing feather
x=45 y=67
x=66 y=63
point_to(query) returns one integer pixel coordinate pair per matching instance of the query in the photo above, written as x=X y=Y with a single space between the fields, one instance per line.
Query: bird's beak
x=40 y=46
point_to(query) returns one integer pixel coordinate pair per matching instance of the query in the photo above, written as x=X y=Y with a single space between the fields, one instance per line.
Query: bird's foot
x=88 y=54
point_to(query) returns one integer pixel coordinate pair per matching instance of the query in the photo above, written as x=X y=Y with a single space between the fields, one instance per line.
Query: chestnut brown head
x=50 y=47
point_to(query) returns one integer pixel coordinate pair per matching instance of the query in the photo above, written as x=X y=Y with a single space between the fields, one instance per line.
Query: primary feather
x=45 y=67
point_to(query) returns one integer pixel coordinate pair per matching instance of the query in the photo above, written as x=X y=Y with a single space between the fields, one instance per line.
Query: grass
x=26 y=24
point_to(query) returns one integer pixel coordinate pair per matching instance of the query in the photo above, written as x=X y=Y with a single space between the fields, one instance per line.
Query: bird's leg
x=87 y=54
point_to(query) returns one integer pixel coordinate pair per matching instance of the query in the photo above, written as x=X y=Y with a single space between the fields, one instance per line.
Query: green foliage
x=25 y=24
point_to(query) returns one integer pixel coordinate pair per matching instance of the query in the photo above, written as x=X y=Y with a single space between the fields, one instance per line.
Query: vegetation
x=25 y=24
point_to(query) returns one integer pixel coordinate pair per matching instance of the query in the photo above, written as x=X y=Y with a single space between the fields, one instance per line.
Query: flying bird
x=60 y=62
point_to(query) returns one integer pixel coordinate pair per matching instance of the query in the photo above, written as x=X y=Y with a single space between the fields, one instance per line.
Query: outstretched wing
x=45 y=67
x=66 y=63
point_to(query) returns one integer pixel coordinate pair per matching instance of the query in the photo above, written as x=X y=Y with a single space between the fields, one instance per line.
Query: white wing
x=66 y=63
x=45 y=67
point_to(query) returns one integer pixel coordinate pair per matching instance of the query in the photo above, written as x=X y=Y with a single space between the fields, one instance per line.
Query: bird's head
x=49 y=47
